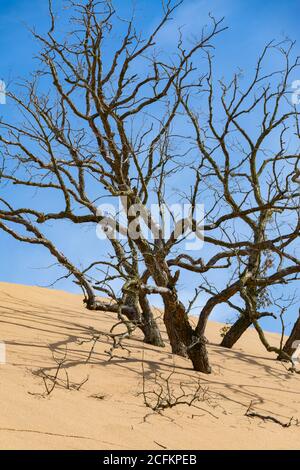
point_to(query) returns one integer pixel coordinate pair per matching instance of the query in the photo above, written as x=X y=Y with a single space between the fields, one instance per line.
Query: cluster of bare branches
x=161 y=392
x=122 y=129
x=60 y=377
x=116 y=339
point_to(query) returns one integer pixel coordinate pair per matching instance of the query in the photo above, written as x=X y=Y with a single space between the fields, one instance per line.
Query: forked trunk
x=182 y=337
x=143 y=318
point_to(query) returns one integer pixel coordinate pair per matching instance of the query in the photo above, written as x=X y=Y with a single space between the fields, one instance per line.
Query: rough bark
x=199 y=356
x=177 y=325
x=149 y=325
x=184 y=341
x=294 y=336
x=145 y=321
x=236 y=331
x=143 y=317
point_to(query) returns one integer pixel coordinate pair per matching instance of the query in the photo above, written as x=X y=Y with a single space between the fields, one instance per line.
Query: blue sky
x=250 y=26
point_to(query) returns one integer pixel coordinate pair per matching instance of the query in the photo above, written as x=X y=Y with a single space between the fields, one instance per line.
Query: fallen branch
x=253 y=414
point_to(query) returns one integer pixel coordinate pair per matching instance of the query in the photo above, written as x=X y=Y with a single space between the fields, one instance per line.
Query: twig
x=253 y=414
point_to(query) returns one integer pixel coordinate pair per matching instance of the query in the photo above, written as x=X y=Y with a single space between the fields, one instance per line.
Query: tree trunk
x=177 y=325
x=180 y=332
x=294 y=336
x=143 y=318
x=144 y=321
x=236 y=331
x=149 y=325
x=198 y=355
x=182 y=337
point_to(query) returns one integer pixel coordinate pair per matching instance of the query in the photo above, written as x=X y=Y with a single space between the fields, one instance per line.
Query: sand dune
x=108 y=411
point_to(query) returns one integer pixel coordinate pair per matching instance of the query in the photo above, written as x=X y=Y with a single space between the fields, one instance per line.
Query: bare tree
x=120 y=127
x=250 y=175
x=94 y=127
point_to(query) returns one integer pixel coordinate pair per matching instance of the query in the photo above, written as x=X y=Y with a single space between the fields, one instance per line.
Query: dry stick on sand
x=253 y=414
x=55 y=381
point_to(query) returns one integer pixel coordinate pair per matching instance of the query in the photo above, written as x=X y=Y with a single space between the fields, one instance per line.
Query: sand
x=108 y=412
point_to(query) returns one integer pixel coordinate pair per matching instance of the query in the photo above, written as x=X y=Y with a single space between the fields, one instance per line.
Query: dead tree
x=110 y=127
x=251 y=175
x=92 y=133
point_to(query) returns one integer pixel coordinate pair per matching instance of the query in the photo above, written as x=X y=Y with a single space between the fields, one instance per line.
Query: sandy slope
x=35 y=319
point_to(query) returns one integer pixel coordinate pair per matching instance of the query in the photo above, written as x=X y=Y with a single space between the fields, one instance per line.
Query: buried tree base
x=199 y=357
